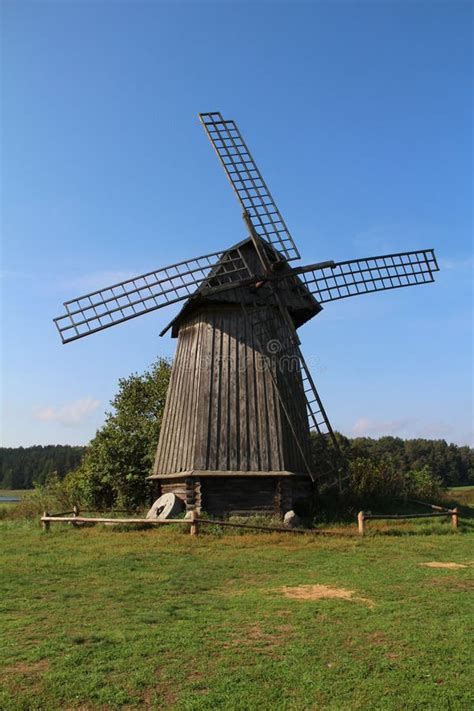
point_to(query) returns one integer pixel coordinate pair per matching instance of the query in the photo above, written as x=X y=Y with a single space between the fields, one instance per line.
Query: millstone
x=167 y=506
x=291 y=519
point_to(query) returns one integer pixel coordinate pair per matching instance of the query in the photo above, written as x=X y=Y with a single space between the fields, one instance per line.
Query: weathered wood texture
x=265 y=494
x=187 y=488
x=177 y=487
x=193 y=522
x=227 y=494
x=223 y=410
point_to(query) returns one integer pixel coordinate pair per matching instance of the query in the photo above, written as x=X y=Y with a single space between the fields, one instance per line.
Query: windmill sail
x=131 y=298
x=362 y=276
x=226 y=270
x=248 y=183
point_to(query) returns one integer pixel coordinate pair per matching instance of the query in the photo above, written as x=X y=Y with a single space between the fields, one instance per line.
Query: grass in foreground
x=104 y=619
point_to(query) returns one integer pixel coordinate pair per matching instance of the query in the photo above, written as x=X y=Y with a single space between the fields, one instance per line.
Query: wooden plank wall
x=223 y=411
x=232 y=494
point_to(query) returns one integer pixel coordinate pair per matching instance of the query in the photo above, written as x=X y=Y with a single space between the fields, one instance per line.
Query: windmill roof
x=296 y=297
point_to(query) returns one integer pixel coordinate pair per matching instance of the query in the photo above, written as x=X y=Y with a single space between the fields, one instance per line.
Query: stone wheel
x=167 y=506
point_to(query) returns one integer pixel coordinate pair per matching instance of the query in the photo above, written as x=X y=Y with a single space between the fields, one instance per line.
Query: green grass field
x=463 y=495
x=104 y=618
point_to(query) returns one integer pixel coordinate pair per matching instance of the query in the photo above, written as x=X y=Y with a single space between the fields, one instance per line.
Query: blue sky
x=359 y=116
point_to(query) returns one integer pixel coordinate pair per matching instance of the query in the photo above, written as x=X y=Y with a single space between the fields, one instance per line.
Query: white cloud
x=71 y=414
x=365 y=427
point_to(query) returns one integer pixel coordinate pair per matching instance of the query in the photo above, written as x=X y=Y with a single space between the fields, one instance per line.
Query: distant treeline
x=452 y=464
x=22 y=467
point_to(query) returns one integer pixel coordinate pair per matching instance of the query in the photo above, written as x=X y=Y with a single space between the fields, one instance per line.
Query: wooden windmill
x=241 y=403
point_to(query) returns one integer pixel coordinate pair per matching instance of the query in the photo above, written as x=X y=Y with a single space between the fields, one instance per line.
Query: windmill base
x=223 y=492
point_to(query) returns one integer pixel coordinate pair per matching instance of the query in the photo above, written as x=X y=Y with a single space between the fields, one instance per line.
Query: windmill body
x=225 y=441
x=242 y=402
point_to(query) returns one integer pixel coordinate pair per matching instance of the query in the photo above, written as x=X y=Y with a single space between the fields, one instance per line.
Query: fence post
x=455 y=517
x=45 y=524
x=360 y=521
x=194 y=527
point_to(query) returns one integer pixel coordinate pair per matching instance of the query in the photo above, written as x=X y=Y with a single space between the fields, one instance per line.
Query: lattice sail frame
x=362 y=276
x=121 y=302
x=131 y=298
x=248 y=183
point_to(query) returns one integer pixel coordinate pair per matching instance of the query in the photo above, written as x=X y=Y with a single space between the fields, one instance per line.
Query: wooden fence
x=75 y=519
x=437 y=511
x=194 y=521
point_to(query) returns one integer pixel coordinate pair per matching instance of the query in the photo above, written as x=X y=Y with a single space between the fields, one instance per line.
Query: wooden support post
x=360 y=521
x=455 y=518
x=45 y=524
x=75 y=513
x=194 y=527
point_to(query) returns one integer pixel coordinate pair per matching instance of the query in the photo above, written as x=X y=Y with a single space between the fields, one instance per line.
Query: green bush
x=422 y=484
x=119 y=459
x=52 y=496
x=379 y=486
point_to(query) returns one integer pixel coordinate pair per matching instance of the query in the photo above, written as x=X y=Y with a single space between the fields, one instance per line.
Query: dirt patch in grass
x=380 y=639
x=449 y=583
x=377 y=639
x=27 y=668
x=164 y=693
x=449 y=566
x=260 y=641
x=23 y=675
x=320 y=592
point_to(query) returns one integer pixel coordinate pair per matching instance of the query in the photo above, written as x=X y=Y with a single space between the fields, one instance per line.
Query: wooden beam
x=194 y=526
x=402 y=516
x=46 y=518
x=455 y=518
x=45 y=521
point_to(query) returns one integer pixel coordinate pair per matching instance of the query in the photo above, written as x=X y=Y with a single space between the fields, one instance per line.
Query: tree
x=22 y=467
x=120 y=457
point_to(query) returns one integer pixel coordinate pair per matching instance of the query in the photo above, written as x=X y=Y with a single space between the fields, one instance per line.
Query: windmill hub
x=242 y=404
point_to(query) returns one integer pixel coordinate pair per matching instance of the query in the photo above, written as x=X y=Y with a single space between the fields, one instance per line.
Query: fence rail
x=362 y=516
x=193 y=522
